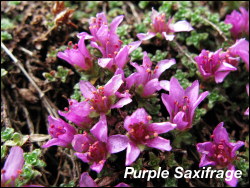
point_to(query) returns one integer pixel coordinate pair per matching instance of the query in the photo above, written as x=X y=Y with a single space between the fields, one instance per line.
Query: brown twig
x=5 y=111
x=136 y=15
x=42 y=96
x=29 y=122
x=182 y=51
x=216 y=28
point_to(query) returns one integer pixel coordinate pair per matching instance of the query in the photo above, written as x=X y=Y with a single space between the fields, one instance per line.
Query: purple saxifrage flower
x=181 y=104
x=62 y=133
x=103 y=99
x=239 y=22
x=220 y=152
x=78 y=113
x=78 y=55
x=214 y=65
x=97 y=148
x=166 y=29
x=87 y=181
x=146 y=78
x=143 y=133
x=12 y=167
x=241 y=49
x=104 y=38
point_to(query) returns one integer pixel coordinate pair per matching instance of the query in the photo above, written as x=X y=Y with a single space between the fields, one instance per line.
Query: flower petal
x=86 y=180
x=55 y=142
x=182 y=26
x=159 y=143
x=233 y=182
x=98 y=166
x=100 y=129
x=113 y=85
x=176 y=89
x=122 y=57
x=162 y=127
x=192 y=92
x=236 y=146
x=178 y=119
x=146 y=62
x=82 y=156
x=87 y=89
x=115 y=23
x=165 y=84
x=122 y=185
x=132 y=154
x=151 y=87
x=122 y=102
x=117 y=143
x=12 y=165
x=163 y=65
x=220 y=133
x=201 y=97
x=133 y=45
x=168 y=37
x=145 y=36
x=167 y=101
x=205 y=149
x=104 y=62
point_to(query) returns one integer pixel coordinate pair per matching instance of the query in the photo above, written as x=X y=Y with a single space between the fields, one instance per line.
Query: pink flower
x=78 y=113
x=241 y=49
x=220 y=152
x=215 y=65
x=166 y=29
x=143 y=133
x=97 y=148
x=239 y=21
x=181 y=104
x=78 y=56
x=87 y=181
x=62 y=133
x=104 y=98
x=12 y=167
x=105 y=39
x=146 y=78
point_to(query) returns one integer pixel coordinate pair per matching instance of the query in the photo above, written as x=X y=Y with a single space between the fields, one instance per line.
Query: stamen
x=155 y=134
x=221 y=147
x=149 y=118
x=147 y=137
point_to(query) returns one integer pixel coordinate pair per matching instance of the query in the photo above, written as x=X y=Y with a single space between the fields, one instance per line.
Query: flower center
x=140 y=133
x=184 y=106
x=100 y=103
x=209 y=63
x=56 y=130
x=222 y=154
x=97 y=151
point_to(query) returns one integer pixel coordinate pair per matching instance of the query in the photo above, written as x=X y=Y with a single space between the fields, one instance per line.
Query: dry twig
x=42 y=96
x=216 y=28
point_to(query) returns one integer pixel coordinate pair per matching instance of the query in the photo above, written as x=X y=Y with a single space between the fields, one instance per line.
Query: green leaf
x=3 y=151
x=5 y=36
x=14 y=3
x=143 y=4
x=6 y=24
x=170 y=182
x=7 y=134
